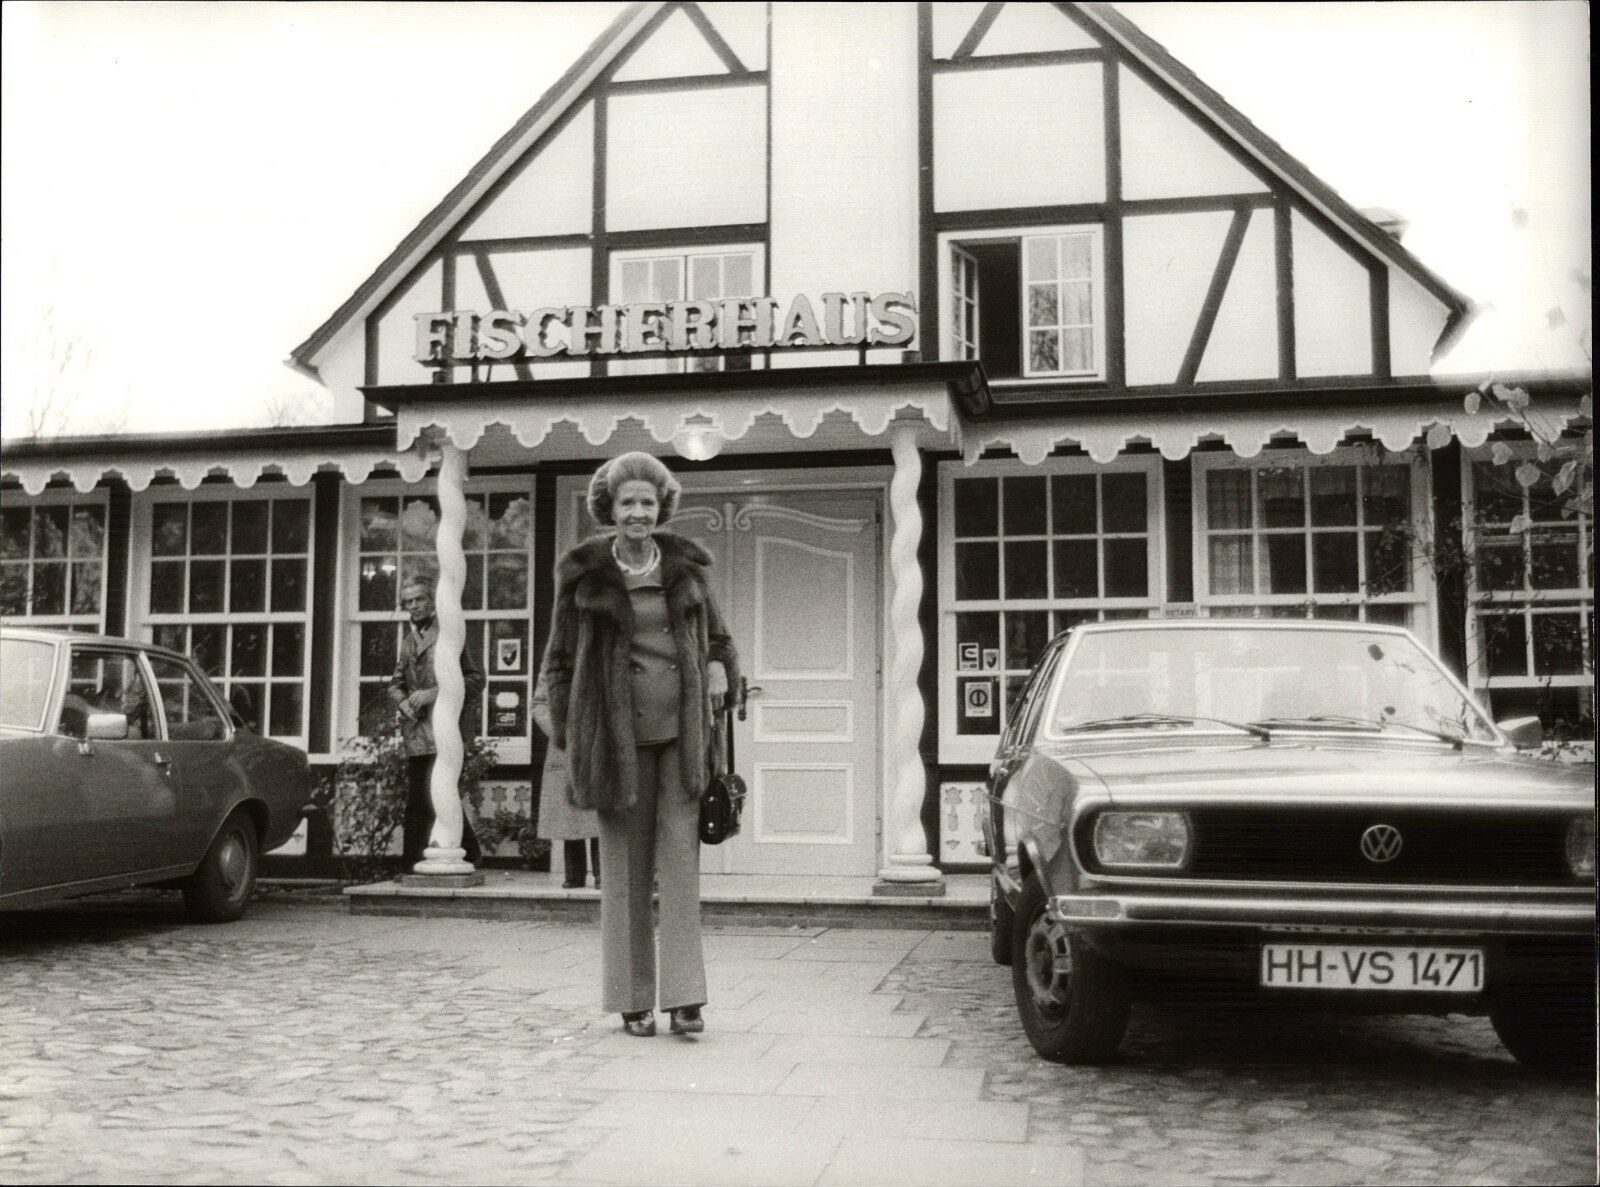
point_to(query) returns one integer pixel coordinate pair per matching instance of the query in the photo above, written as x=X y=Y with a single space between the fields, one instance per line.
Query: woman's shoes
x=686 y=1020
x=641 y=1024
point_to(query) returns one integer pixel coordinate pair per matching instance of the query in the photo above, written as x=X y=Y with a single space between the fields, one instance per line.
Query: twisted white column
x=444 y=854
x=908 y=859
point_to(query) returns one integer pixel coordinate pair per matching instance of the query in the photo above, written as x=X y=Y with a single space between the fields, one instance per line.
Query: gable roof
x=569 y=88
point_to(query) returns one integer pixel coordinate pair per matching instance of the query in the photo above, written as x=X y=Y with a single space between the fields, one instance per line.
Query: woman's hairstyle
x=631 y=467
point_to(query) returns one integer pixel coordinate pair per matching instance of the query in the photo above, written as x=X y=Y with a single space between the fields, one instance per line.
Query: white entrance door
x=798 y=580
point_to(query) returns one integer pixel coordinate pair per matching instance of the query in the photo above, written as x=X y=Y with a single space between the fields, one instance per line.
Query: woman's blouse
x=653 y=660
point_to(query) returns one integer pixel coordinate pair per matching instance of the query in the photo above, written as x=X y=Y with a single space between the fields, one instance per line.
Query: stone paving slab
x=931 y=1162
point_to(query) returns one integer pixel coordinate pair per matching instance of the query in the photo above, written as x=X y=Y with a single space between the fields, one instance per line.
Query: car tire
x=220 y=889
x=1074 y=1004
x=1558 y=1039
x=1002 y=923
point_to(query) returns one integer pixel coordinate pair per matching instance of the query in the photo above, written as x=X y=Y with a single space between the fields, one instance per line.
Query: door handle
x=745 y=690
x=160 y=759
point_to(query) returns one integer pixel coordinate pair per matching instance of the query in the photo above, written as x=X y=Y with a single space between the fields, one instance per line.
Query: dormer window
x=1029 y=303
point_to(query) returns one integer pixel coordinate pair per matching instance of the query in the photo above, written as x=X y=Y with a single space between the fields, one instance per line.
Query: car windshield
x=27 y=664
x=1276 y=678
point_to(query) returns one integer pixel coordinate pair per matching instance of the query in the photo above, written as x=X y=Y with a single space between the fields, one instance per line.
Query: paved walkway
x=306 y=1046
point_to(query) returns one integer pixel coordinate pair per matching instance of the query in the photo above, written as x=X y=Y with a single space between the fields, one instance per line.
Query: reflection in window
x=52 y=559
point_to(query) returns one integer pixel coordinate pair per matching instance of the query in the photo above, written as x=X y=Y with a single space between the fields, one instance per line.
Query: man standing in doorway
x=413 y=690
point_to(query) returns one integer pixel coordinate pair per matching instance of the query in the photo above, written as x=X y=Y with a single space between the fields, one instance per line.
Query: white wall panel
x=1025 y=28
x=743 y=26
x=1416 y=319
x=676 y=50
x=397 y=332
x=844 y=153
x=1027 y=136
x=554 y=192
x=688 y=158
x=1244 y=341
x=1332 y=305
x=1168 y=263
x=532 y=279
x=344 y=370
x=950 y=24
x=1165 y=154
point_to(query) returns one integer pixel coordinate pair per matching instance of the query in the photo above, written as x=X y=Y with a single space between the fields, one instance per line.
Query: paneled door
x=798 y=579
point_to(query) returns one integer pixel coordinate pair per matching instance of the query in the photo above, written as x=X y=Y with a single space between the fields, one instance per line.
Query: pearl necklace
x=632 y=571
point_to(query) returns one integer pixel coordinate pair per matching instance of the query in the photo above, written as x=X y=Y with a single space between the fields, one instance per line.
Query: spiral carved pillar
x=444 y=855
x=910 y=868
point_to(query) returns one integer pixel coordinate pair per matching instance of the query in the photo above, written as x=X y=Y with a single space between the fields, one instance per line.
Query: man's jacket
x=414 y=673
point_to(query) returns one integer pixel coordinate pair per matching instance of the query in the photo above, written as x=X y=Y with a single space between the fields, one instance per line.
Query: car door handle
x=160 y=759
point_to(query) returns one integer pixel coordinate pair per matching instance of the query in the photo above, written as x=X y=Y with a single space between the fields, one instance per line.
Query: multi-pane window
x=1532 y=596
x=697 y=276
x=52 y=562
x=1058 y=280
x=228 y=583
x=1031 y=552
x=192 y=716
x=963 y=304
x=1288 y=539
x=395 y=542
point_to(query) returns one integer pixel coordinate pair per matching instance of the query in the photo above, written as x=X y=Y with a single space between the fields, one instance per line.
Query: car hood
x=1326 y=770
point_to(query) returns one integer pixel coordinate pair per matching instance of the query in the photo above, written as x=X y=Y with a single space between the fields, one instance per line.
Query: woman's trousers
x=655 y=844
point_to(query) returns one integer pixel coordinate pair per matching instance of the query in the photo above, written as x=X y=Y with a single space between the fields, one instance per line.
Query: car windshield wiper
x=1375 y=724
x=1134 y=720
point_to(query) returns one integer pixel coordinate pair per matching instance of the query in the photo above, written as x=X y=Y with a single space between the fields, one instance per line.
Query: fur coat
x=590 y=681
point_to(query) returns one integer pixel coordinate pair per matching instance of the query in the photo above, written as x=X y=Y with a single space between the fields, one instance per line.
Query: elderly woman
x=638 y=662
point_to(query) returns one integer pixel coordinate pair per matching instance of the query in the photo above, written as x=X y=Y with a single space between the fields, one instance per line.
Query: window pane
x=1389 y=615
x=1067 y=619
x=635 y=280
x=50 y=531
x=1124 y=497
x=508 y=647
x=1282 y=497
x=977 y=571
x=1555 y=561
x=1077 y=569
x=705 y=277
x=1336 y=613
x=1077 y=350
x=14 y=589
x=15 y=524
x=86 y=588
x=419 y=525
x=1388 y=562
x=377 y=583
x=1027 y=632
x=190 y=713
x=475 y=533
x=1500 y=562
x=1076 y=256
x=1496 y=493
x=378 y=520
x=1505 y=638
x=291 y=525
x=1232 y=565
x=284 y=718
x=737 y=270
x=376 y=711
x=1042 y=259
x=978 y=630
x=169 y=529
x=250 y=526
x=472 y=590
x=1024 y=506
x=1333 y=555
x=166 y=587
x=247 y=587
x=1387 y=496
x=1285 y=564
x=511 y=520
x=249 y=650
x=209 y=645
x=1228 y=498
x=420 y=568
x=380 y=648
x=288 y=649
x=976 y=710
x=254 y=695
x=1044 y=350
x=1333 y=495
x=209 y=529
x=1077 y=303
x=50 y=588
x=1557 y=645
x=508 y=582
x=1073 y=504
x=174 y=636
x=1127 y=569
x=1025 y=569
x=1044 y=305
x=667 y=280
x=977 y=506
x=288 y=585
x=88 y=532
x=206 y=581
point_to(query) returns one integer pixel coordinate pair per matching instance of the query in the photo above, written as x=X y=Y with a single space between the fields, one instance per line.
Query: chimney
x=1388 y=221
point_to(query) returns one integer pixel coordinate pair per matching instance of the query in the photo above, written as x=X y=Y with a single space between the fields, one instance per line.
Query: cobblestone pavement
x=306 y=1046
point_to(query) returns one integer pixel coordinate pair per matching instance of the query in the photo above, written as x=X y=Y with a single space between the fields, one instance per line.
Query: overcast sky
x=193 y=188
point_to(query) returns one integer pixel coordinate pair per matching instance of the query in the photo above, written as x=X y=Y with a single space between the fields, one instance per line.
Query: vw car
x=120 y=765
x=1284 y=813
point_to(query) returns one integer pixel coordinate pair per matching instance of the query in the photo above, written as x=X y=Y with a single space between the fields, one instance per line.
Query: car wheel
x=1002 y=922
x=1559 y=1039
x=1073 y=1004
x=220 y=889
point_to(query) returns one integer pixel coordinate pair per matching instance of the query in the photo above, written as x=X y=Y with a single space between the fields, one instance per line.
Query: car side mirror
x=107 y=727
x=1522 y=732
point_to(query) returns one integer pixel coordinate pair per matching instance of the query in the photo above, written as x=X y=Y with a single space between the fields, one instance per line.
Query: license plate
x=1348 y=966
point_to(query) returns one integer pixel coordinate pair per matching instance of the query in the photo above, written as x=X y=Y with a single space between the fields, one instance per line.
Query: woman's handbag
x=723 y=800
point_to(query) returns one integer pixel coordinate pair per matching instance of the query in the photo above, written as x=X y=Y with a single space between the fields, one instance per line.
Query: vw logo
x=1381 y=843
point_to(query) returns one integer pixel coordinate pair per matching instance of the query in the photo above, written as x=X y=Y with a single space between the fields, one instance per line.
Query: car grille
x=1301 y=845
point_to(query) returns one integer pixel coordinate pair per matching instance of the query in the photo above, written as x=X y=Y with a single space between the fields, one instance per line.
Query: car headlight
x=1580 y=847
x=1158 y=840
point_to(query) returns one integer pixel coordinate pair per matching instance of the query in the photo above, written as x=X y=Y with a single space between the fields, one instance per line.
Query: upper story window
x=1030 y=304
x=659 y=276
x=52 y=558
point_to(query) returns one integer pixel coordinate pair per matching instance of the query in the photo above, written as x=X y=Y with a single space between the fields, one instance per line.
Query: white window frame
x=1527 y=600
x=951 y=242
x=621 y=364
x=964 y=271
x=143 y=621
x=980 y=748
x=347 y=698
x=1420 y=598
x=57 y=498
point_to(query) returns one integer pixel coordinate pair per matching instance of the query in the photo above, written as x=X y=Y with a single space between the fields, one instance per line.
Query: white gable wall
x=1168 y=260
x=1244 y=341
x=1416 y=319
x=1165 y=154
x=1332 y=305
x=554 y=192
x=686 y=158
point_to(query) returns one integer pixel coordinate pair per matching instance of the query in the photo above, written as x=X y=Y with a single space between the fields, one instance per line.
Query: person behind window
x=413 y=691
x=638 y=662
